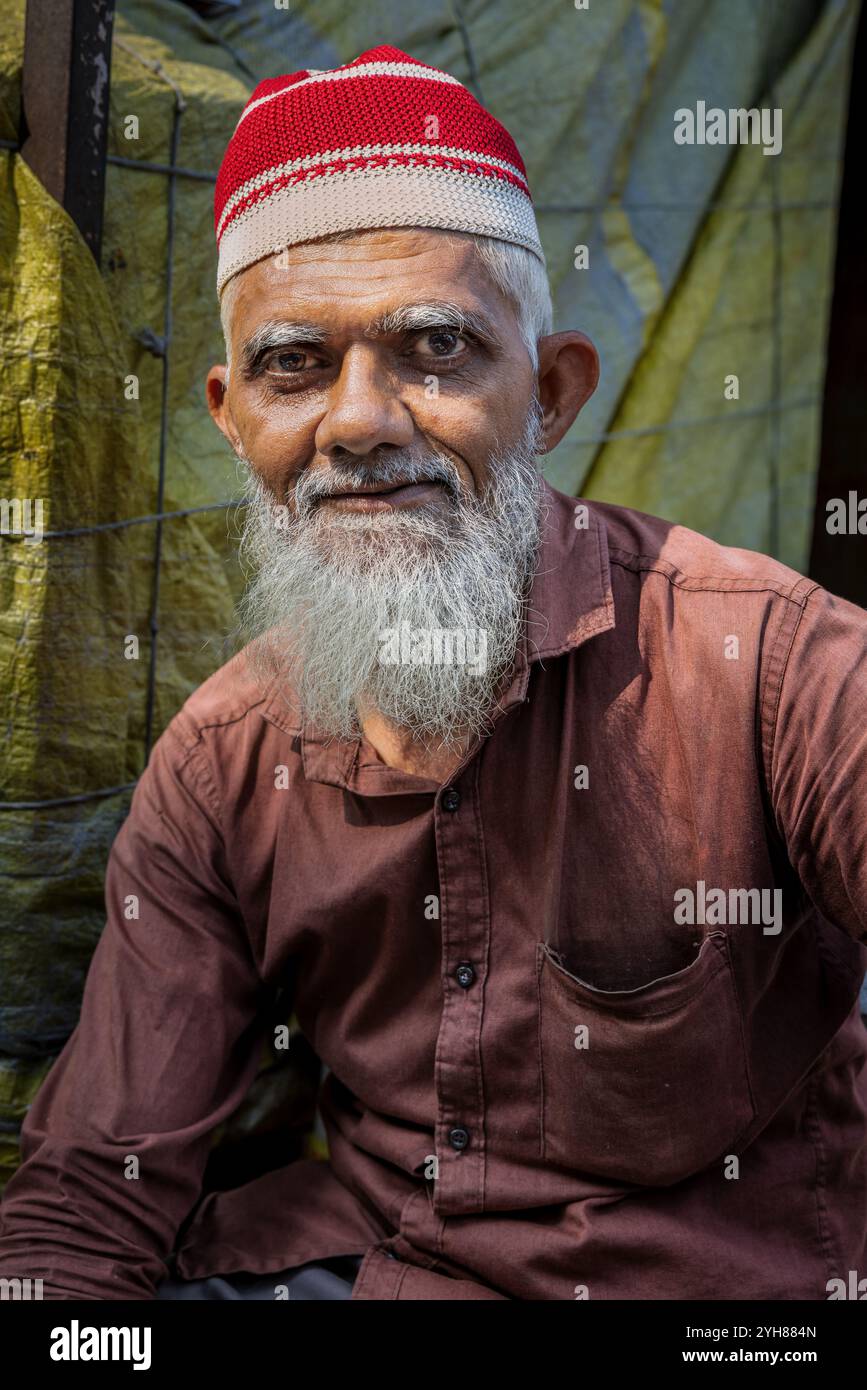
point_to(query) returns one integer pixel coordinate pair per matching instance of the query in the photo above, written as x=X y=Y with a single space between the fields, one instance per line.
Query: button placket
x=465 y=927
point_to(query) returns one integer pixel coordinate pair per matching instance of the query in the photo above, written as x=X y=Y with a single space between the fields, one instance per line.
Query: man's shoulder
x=691 y=561
x=239 y=689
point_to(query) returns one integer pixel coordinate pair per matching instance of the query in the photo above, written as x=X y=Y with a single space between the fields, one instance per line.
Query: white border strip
x=364 y=199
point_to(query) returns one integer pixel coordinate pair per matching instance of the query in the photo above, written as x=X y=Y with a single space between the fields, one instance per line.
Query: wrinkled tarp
x=705 y=262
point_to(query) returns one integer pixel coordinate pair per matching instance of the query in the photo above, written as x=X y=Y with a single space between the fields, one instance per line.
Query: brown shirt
x=630 y=1089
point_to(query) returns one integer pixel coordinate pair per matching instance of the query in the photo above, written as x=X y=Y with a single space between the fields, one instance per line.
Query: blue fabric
x=327 y=1280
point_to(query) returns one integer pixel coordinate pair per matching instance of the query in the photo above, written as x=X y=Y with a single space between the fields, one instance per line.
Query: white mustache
x=405 y=466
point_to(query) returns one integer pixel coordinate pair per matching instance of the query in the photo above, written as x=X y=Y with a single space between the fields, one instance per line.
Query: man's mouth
x=381 y=497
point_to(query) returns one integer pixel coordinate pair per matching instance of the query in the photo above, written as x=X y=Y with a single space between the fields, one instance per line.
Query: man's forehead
x=354 y=281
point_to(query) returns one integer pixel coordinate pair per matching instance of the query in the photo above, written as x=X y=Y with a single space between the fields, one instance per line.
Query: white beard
x=328 y=589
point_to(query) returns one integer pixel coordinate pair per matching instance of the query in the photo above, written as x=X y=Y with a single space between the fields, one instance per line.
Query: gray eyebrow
x=437 y=313
x=279 y=333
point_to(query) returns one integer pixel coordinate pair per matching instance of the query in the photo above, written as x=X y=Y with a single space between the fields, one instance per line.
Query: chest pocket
x=644 y=1085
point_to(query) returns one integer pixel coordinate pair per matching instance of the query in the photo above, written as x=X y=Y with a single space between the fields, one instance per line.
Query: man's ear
x=568 y=374
x=216 y=387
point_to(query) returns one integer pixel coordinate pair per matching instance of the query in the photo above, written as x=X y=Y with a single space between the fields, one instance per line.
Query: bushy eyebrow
x=278 y=333
x=436 y=313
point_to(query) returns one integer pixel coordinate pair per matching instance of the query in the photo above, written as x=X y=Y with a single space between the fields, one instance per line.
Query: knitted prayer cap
x=386 y=141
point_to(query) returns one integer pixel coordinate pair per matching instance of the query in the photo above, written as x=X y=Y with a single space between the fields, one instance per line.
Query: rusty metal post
x=65 y=90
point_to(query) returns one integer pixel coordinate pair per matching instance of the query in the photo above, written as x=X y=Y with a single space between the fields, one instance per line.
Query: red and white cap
x=385 y=141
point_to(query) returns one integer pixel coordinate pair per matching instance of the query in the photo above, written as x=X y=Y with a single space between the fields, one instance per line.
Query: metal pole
x=65 y=90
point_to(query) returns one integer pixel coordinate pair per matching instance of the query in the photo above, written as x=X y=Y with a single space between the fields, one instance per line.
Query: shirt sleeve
x=115 y=1143
x=818 y=765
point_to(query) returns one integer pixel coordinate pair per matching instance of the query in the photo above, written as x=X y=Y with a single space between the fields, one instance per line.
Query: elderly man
x=546 y=818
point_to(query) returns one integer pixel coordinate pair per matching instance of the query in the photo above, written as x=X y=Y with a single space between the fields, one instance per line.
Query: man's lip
x=384 y=490
x=397 y=497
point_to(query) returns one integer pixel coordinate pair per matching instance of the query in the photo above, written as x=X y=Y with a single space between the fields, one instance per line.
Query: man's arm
x=818 y=766
x=115 y=1143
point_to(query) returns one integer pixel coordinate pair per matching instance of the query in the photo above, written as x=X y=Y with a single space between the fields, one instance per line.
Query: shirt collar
x=570 y=598
x=570 y=601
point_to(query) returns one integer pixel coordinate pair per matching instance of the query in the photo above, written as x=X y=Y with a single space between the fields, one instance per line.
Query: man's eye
x=441 y=342
x=291 y=360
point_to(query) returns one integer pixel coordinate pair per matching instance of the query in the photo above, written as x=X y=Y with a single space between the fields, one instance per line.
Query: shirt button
x=451 y=799
x=465 y=974
x=459 y=1138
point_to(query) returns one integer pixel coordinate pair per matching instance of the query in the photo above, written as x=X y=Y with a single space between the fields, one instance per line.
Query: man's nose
x=364 y=409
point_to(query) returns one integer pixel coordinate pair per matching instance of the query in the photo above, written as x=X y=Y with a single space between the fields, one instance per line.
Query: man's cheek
x=276 y=458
